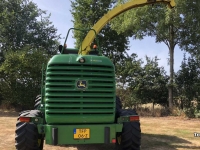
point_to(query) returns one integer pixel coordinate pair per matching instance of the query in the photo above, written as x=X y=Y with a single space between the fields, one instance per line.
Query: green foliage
x=127 y=97
x=126 y=72
x=148 y=20
x=177 y=26
x=188 y=83
x=190 y=28
x=22 y=23
x=27 y=40
x=156 y=21
x=21 y=76
x=189 y=112
x=150 y=84
x=188 y=87
x=128 y=69
x=86 y=13
x=139 y=84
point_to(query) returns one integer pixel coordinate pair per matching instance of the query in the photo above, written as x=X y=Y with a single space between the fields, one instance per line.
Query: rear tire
x=130 y=137
x=118 y=107
x=37 y=102
x=24 y=112
x=26 y=133
x=118 y=103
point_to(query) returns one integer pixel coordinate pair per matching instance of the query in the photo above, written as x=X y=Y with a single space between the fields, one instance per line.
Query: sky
x=61 y=18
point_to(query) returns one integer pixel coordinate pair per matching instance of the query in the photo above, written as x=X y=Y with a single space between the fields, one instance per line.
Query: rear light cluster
x=113 y=140
x=134 y=118
x=24 y=119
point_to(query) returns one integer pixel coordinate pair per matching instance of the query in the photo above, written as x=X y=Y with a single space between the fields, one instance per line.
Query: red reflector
x=134 y=118
x=24 y=119
x=113 y=140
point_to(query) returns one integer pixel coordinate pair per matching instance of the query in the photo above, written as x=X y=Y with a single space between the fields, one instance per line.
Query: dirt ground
x=160 y=133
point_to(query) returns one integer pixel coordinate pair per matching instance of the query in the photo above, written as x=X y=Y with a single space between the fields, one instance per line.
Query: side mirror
x=60 y=48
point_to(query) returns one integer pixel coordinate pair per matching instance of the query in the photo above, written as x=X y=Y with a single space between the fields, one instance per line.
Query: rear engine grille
x=63 y=98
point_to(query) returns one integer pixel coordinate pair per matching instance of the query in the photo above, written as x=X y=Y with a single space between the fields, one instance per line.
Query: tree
x=20 y=76
x=128 y=98
x=141 y=85
x=86 y=13
x=150 y=84
x=188 y=84
x=23 y=23
x=190 y=28
x=23 y=26
x=169 y=26
x=126 y=71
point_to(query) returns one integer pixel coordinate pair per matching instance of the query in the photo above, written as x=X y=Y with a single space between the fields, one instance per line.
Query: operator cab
x=94 y=47
x=66 y=50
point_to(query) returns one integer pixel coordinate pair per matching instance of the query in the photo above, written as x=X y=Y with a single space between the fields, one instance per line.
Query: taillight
x=113 y=140
x=24 y=119
x=134 y=118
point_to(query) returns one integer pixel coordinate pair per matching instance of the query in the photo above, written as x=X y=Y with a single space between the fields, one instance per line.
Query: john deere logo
x=81 y=84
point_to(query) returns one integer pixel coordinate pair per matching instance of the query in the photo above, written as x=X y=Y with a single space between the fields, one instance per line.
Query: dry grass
x=170 y=133
x=148 y=110
x=160 y=133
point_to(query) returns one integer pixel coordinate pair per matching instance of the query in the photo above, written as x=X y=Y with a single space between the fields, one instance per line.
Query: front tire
x=26 y=133
x=130 y=137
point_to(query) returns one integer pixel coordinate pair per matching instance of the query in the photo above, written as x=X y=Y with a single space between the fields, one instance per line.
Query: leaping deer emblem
x=81 y=84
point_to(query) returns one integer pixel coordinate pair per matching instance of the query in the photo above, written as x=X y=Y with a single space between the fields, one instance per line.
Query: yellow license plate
x=81 y=133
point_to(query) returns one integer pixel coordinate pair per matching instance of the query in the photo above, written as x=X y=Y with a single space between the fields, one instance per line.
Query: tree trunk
x=153 y=114
x=170 y=88
x=171 y=80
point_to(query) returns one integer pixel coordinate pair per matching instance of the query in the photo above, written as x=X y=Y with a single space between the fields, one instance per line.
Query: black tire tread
x=26 y=134
x=118 y=103
x=37 y=105
x=118 y=107
x=131 y=133
x=24 y=111
x=37 y=102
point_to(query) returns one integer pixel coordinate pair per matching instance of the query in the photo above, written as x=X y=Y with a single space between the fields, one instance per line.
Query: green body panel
x=77 y=92
x=66 y=133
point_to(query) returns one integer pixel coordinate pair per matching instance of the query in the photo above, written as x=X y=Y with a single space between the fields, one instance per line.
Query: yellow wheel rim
x=39 y=142
x=119 y=139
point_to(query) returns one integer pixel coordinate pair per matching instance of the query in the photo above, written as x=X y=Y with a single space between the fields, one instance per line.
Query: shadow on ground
x=165 y=142
x=149 y=142
x=93 y=146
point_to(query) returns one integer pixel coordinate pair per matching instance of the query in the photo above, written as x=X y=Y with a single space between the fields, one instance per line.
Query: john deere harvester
x=78 y=105
x=78 y=102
